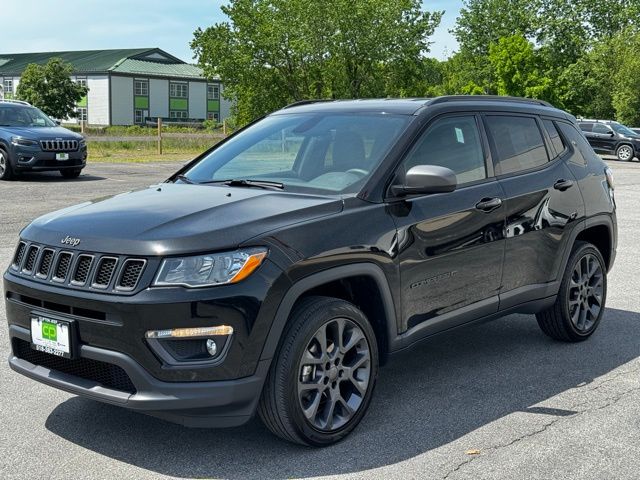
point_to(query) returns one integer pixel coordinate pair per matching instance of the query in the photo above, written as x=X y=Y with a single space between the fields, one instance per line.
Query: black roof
x=408 y=106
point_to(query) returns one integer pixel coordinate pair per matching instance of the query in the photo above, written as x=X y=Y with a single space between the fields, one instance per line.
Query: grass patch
x=173 y=149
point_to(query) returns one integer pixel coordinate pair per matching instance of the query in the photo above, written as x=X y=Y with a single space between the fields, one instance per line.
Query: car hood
x=171 y=219
x=40 y=133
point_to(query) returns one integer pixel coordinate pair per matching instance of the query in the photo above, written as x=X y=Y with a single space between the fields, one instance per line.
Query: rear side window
x=582 y=149
x=518 y=143
x=600 y=128
x=556 y=139
x=586 y=127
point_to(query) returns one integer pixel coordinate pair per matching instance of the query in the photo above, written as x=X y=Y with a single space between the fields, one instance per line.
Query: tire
x=71 y=172
x=6 y=170
x=580 y=303
x=625 y=153
x=294 y=387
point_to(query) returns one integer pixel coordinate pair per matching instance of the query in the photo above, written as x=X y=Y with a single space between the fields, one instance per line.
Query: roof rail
x=19 y=102
x=306 y=102
x=481 y=98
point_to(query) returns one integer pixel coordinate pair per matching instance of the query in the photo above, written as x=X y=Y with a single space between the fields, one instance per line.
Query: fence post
x=224 y=127
x=81 y=125
x=159 y=136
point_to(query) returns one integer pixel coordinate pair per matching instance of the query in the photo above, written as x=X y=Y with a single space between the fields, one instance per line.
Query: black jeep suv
x=611 y=138
x=278 y=270
x=31 y=141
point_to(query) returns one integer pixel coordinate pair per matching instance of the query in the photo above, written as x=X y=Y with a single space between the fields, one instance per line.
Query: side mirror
x=425 y=179
x=58 y=122
x=612 y=133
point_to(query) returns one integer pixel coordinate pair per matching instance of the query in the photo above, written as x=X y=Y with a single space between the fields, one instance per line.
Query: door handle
x=563 y=184
x=488 y=204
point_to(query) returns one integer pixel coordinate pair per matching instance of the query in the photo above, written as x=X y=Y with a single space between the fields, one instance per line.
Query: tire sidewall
x=580 y=252
x=620 y=149
x=305 y=430
x=8 y=172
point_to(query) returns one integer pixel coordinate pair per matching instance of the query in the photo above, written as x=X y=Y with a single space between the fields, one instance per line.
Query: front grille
x=59 y=145
x=104 y=272
x=62 y=267
x=106 y=374
x=19 y=256
x=79 y=270
x=45 y=263
x=30 y=263
x=83 y=267
x=130 y=275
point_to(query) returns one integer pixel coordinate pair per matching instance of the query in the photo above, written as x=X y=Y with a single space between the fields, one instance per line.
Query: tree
x=50 y=88
x=517 y=69
x=272 y=52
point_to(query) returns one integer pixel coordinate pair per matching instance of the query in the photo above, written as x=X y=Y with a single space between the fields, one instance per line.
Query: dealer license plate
x=51 y=335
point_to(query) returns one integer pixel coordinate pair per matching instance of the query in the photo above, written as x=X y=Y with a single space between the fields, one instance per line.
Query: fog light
x=212 y=348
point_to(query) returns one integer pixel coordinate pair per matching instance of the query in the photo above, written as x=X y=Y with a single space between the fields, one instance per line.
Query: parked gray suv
x=31 y=141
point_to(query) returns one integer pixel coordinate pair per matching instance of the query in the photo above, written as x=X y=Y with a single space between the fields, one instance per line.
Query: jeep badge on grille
x=74 y=242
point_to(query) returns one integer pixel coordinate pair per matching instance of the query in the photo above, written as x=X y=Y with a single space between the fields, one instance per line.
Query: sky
x=166 y=24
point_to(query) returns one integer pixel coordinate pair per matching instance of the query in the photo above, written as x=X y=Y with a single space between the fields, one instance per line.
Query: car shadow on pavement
x=449 y=386
x=55 y=177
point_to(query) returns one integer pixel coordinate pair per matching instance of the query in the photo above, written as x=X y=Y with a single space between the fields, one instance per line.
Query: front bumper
x=33 y=158
x=197 y=404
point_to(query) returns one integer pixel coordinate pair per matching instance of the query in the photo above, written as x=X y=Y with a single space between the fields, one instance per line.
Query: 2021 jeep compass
x=278 y=270
x=31 y=141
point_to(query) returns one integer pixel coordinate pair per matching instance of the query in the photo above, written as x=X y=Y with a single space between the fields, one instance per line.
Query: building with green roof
x=129 y=86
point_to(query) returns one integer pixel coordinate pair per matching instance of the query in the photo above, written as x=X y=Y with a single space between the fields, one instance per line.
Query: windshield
x=310 y=152
x=24 y=117
x=618 y=127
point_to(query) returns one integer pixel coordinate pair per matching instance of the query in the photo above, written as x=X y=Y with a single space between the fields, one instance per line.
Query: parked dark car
x=31 y=141
x=611 y=138
x=278 y=270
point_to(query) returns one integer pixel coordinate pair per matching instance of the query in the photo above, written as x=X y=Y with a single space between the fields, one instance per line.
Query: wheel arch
x=354 y=283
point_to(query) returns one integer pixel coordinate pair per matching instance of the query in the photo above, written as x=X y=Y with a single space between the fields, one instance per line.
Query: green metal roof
x=143 y=61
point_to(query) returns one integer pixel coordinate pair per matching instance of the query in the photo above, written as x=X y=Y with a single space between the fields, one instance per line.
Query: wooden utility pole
x=159 y=136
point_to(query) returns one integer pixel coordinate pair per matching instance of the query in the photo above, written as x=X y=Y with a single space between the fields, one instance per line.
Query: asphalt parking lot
x=533 y=408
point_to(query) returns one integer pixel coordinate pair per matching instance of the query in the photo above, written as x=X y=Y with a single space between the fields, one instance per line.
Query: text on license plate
x=62 y=156
x=50 y=335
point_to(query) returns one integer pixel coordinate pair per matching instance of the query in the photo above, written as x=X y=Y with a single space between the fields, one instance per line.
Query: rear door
x=450 y=245
x=543 y=202
x=604 y=138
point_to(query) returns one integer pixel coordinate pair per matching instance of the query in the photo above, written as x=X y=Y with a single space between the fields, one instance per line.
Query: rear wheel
x=320 y=385
x=625 y=153
x=6 y=171
x=71 y=172
x=581 y=301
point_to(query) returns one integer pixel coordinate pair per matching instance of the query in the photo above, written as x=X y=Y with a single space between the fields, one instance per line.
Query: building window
x=8 y=86
x=82 y=81
x=82 y=114
x=178 y=114
x=213 y=92
x=138 y=116
x=141 y=87
x=178 y=90
x=212 y=116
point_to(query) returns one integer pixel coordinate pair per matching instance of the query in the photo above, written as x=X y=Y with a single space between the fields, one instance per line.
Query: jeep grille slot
x=30 y=263
x=45 y=263
x=104 y=272
x=19 y=255
x=81 y=272
x=131 y=272
x=62 y=267
x=59 y=145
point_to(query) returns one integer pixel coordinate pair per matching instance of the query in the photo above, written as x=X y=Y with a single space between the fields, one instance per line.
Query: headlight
x=210 y=269
x=23 y=142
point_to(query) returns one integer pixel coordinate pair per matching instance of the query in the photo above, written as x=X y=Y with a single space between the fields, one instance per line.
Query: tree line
x=580 y=55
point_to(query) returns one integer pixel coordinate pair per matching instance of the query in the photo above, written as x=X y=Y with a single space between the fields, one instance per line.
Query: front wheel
x=624 y=153
x=320 y=385
x=581 y=301
x=6 y=171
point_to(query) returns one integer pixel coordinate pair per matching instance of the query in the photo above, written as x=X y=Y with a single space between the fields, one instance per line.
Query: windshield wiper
x=185 y=179
x=242 y=182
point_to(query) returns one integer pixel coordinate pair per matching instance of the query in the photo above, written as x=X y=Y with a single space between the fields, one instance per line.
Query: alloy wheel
x=3 y=164
x=625 y=153
x=334 y=374
x=586 y=292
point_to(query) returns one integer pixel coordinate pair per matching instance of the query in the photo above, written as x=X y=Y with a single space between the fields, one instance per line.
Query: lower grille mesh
x=106 y=374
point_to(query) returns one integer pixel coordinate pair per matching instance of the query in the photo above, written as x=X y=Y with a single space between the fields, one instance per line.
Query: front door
x=450 y=245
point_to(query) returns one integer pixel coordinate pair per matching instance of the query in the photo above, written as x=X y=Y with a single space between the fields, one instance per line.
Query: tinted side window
x=518 y=143
x=582 y=149
x=556 y=140
x=600 y=128
x=452 y=142
x=586 y=127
